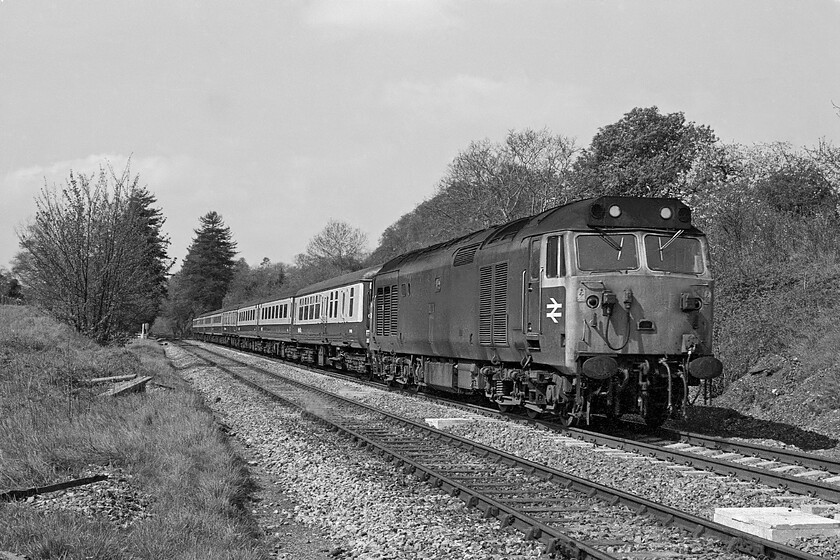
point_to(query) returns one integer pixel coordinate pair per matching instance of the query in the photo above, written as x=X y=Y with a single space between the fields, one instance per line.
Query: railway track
x=546 y=504
x=797 y=472
x=800 y=473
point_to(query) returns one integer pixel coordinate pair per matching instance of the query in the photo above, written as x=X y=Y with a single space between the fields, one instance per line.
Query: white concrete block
x=441 y=423
x=778 y=524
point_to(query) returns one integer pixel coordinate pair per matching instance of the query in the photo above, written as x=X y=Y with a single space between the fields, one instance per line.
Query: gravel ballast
x=654 y=480
x=369 y=509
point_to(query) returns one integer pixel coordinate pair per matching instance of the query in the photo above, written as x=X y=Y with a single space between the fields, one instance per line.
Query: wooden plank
x=133 y=386
x=114 y=379
x=23 y=494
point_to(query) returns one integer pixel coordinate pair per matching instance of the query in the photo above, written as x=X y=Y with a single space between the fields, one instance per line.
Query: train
x=599 y=308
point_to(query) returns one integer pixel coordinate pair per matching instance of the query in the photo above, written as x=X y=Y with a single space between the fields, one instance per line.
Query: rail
x=733 y=539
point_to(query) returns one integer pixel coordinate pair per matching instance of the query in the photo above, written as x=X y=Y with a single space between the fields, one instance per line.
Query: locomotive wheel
x=504 y=408
x=568 y=420
x=655 y=418
x=532 y=414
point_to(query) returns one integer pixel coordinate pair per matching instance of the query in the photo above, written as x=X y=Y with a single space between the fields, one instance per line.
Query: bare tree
x=491 y=183
x=85 y=256
x=338 y=243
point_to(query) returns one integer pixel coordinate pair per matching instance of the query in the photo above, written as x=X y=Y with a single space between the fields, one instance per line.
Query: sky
x=281 y=115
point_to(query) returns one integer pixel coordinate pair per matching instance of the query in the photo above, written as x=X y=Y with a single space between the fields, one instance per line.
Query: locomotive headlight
x=593 y=301
x=615 y=211
x=666 y=213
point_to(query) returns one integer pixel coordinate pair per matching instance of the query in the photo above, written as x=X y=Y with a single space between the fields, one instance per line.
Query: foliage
x=770 y=213
x=337 y=249
x=10 y=286
x=644 y=154
x=163 y=445
x=249 y=284
x=94 y=255
x=487 y=184
x=208 y=268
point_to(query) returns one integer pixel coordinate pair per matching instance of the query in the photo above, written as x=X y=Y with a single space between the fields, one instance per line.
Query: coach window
x=352 y=292
x=555 y=265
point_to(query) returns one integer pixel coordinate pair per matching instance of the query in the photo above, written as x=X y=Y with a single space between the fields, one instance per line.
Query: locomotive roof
x=591 y=214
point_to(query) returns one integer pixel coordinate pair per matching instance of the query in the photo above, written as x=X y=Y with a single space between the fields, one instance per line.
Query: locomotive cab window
x=555 y=263
x=534 y=259
x=669 y=253
x=607 y=252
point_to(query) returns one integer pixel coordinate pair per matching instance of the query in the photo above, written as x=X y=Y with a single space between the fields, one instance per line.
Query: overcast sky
x=283 y=114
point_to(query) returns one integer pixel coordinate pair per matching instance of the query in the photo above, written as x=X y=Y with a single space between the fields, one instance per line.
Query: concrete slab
x=832 y=480
x=441 y=423
x=778 y=524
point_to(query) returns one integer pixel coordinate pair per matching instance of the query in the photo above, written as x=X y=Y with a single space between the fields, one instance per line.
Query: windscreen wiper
x=668 y=243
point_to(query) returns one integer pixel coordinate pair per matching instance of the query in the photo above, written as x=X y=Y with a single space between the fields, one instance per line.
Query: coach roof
x=344 y=280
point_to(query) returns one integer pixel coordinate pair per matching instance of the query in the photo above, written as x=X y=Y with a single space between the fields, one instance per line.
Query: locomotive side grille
x=464 y=255
x=395 y=309
x=387 y=310
x=485 y=306
x=492 y=304
x=500 y=326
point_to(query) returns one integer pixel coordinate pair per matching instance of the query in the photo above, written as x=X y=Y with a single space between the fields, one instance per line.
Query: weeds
x=53 y=428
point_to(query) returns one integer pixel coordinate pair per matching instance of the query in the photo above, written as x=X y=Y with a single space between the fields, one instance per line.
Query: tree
x=10 y=286
x=146 y=306
x=209 y=266
x=488 y=183
x=337 y=249
x=492 y=183
x=339 y=244
x=644 y=154
x=250 y=283
x=94 y=252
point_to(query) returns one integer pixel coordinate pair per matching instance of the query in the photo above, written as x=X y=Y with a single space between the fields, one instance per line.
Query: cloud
x=462 y=94
x=180 y=184
x=382 y=15
x=153 y=171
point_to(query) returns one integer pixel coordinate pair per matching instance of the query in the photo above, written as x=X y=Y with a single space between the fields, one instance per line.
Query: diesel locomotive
x=601 y=307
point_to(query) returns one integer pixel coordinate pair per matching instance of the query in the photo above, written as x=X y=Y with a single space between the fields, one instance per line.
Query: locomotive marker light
x=666 y=213
x=615 y=210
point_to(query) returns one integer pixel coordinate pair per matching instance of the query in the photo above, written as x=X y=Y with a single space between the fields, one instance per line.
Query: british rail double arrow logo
x=554 y=310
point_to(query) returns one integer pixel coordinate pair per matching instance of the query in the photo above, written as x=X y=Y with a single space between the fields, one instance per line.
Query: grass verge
x=54 y=428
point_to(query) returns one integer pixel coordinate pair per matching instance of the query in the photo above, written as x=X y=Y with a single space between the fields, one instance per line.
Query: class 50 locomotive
x=602 y=307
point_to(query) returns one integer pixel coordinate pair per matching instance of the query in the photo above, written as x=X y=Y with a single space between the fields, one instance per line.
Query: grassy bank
x=54 y=428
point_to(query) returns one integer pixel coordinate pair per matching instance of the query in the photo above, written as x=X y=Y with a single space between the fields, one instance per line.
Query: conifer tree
x=209 y=265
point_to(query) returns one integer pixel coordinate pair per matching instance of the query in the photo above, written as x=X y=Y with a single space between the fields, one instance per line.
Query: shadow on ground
x=726 y=422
